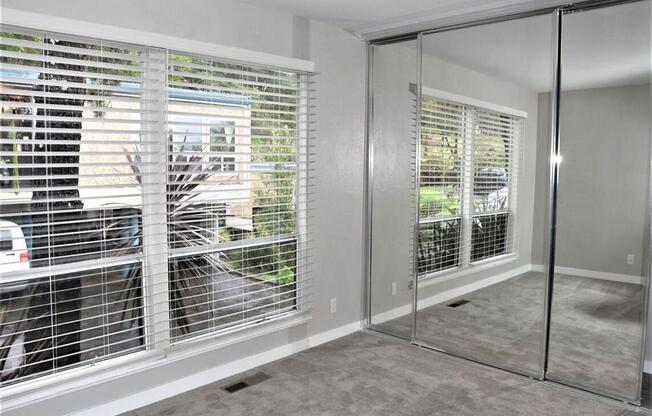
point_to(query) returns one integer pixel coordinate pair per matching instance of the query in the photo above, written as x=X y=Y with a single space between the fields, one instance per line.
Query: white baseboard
x=593 y=274
x=146 y=397
x=449 y=294
x=648 y=367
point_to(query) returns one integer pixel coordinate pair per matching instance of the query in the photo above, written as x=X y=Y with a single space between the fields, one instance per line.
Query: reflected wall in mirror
x=481 y=88
x=391 y=184
x=597 y=314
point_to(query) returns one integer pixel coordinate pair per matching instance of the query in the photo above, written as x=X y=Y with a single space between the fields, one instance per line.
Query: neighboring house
x=200 y=122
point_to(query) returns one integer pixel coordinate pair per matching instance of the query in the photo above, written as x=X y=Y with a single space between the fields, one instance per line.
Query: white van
x=14 y=256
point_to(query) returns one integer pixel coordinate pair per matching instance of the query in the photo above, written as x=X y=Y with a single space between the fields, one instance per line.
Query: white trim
x=472 y=102
x=211 y=375
x=648 y=367
x=593 y=274
x=390 y=315
x=38 y=21
x=154 y=196
x=49 y=387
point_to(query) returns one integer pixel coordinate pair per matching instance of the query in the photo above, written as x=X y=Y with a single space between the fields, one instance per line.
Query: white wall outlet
x=333 y=305
x=630 y=259
x=393 y=288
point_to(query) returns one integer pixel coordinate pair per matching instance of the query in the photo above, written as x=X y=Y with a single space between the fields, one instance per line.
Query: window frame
x=298 y=236
x=225 y=123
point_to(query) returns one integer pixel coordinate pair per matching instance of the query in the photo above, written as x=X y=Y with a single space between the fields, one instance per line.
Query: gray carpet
x=371 y=375
x=595 y=334
x=595 y=329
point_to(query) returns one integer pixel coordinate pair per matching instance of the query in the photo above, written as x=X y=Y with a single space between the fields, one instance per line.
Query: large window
x=467 y=184
x=147 y=197
x=232 y=199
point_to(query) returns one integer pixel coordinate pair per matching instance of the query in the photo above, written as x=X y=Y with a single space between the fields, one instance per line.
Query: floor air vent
x=246 y=382
x=458 y=303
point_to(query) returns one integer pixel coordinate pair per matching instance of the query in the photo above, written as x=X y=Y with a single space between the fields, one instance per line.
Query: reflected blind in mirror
x=467 y=184
x=443 y=132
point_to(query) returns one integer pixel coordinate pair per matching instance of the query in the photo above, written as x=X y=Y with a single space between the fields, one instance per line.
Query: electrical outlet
x=630 y=259
x=393 y=288
x=333 y=305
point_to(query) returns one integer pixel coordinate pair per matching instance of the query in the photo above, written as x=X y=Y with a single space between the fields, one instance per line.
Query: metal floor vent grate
x=246 y=382
x=458 y=303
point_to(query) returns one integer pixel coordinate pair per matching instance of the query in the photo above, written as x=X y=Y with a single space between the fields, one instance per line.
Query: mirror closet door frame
x=557 y=19
x=557 y=179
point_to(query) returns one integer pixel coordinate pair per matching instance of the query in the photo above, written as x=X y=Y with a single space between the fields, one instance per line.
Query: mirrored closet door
x=508 y=192
x=602 y=228
x=390 y=185
x=484 y=92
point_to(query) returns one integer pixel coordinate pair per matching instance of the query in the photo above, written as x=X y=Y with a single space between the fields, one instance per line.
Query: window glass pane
x=70 y=199
x=489 y=236
x=442 y=151
x=493 y=155
x=54 y=322
x=218 y=290
x=232 y=205
x=439 y=245
x=494 y=142
x=443 y=131
x=6 y=242
x=70 y=131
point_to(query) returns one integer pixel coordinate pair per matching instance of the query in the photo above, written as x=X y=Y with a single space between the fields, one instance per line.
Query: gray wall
x=605 y=135
x=393 y=196
x=336 y=213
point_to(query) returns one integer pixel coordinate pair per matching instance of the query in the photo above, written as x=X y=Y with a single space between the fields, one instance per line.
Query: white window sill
x=69 y=381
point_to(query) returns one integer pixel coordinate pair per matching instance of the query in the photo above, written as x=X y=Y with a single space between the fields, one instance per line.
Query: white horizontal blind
x=443 y=131
x=237 y=156
x=494 y=161
x=146 y=196
x=468 y=192
x=71 y=196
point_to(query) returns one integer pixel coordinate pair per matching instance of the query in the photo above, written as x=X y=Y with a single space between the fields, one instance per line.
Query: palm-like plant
x=188 y=279
x=185 y=220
